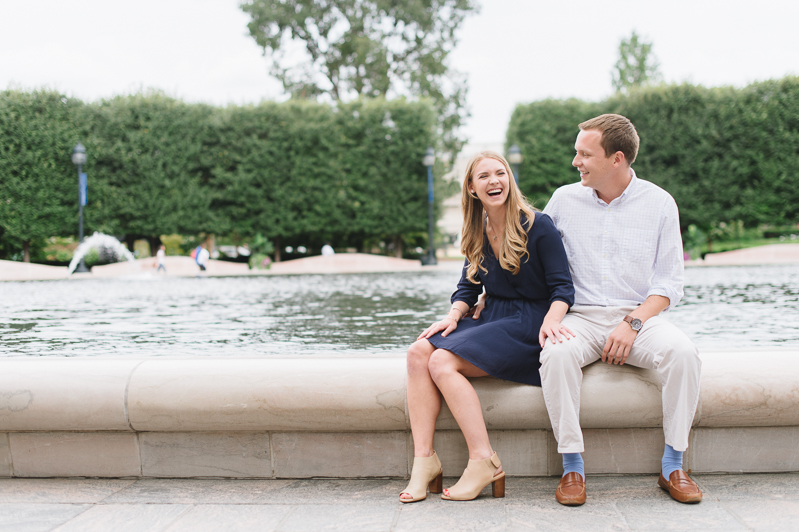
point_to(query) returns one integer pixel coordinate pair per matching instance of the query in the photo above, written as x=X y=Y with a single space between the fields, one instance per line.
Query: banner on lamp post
x=83 y=189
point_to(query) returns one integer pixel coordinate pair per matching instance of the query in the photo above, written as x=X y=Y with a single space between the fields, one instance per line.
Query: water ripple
x=344 y=314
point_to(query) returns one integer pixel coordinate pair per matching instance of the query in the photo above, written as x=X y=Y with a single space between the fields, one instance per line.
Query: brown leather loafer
x=571 y=490
x=681 y=487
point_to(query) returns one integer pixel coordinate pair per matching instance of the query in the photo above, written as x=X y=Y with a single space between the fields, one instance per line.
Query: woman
x=517 y=255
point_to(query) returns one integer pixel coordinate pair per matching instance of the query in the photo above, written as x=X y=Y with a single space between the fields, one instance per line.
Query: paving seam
x=395 y=519
x=735 y=516
x=179 y=516
x=89 y=507
x=116 y=491
x=621 y=515
x=286 y=517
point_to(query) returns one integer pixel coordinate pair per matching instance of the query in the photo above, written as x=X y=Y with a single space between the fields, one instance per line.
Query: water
x=372 y=314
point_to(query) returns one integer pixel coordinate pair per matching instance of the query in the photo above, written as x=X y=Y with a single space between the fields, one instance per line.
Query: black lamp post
x=79 y=158
x=429 y=159
x=515 y=159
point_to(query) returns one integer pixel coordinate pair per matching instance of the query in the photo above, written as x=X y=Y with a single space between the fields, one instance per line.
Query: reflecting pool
x=366 y=314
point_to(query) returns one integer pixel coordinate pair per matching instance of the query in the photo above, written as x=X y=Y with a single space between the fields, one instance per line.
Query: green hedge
x=38 y=182
x=297 y=172
x=725 y=154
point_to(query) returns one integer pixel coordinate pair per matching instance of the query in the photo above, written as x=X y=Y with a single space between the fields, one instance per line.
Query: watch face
x=636 y=324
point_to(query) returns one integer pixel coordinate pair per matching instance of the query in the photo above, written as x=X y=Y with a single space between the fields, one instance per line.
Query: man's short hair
x=618 y=134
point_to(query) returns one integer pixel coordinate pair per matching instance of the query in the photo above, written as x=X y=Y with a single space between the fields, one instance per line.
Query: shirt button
x=604 y=278
x=604 y=255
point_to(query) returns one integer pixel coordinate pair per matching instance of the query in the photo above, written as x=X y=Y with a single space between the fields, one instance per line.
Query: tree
x=637 y=66
x=38 y=182
x=342 y=49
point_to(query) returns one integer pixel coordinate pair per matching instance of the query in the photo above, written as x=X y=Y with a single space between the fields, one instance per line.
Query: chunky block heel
x=498 y=488
x=437 y=484
x=426 y=473
x=477 y=475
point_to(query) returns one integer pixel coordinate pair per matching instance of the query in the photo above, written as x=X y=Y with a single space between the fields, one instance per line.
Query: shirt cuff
x=671 y=295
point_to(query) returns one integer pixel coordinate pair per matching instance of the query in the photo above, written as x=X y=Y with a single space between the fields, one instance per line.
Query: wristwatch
x=635 y=323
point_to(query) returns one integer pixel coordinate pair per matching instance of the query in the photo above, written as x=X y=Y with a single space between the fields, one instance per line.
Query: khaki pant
x=660 y=346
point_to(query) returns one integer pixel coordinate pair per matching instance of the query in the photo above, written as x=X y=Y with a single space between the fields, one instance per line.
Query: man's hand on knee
x=619 y=343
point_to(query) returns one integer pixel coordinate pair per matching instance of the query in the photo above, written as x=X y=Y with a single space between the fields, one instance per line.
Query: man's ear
x=618 y=159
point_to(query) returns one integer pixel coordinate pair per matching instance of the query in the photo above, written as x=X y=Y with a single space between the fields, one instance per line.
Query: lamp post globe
x=79 y=155
x=79 y=159
x=515 y=159
x=428 y=160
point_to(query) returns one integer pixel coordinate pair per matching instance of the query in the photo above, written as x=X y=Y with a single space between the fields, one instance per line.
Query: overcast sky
x=513 y=51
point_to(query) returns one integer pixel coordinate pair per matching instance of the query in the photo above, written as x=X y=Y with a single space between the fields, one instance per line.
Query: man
x=622 y=238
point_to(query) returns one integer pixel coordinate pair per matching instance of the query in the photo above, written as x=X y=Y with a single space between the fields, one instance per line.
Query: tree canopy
x=636 y=66
x=343 y=49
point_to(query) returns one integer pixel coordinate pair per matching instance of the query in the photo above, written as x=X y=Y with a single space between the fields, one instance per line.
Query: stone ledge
x=346 y=417
x=376 y=454
x=338 y=394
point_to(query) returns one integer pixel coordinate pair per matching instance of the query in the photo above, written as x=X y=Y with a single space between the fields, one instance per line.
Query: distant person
x=327 y=250
x=160 y=258
x=518 y=256
x=202 y=256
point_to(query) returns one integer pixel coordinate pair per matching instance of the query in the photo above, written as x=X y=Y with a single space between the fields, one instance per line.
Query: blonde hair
x=513 y=245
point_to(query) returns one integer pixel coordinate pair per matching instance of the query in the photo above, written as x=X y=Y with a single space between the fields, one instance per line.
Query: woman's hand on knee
x=447 y=325
x=555 y=331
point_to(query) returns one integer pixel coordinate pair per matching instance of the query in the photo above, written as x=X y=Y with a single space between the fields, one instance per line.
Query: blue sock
x=672 y=461
x=573 y=463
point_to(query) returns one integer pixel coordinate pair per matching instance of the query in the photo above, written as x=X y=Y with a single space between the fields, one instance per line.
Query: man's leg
x=561 y=380
x=663 y=347
x=562 y=376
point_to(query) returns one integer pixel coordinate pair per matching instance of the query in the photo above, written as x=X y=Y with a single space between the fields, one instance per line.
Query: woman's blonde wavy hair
x=513 y=245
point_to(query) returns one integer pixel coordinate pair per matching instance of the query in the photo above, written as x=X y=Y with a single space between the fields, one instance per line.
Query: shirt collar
x=627 y=191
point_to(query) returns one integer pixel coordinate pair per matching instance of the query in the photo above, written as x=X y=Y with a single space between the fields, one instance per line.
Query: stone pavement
x=768 y=502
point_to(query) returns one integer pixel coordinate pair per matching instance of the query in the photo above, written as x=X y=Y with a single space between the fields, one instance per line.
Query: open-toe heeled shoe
x=477 y=475
x=426 y=472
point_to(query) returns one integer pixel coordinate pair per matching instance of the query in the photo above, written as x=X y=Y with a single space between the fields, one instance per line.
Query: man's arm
x=620 y=341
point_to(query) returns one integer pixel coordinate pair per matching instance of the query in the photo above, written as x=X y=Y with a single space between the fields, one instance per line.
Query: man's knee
x=419 y=355
x=683 y=353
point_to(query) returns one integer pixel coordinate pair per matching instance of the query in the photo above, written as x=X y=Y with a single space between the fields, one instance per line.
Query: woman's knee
x=419 y=355
x=441 y=363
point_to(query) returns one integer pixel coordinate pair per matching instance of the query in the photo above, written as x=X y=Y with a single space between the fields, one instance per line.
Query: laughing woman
x=518 y=256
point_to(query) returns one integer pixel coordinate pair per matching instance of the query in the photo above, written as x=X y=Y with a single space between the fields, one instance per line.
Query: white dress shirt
x=622 y=253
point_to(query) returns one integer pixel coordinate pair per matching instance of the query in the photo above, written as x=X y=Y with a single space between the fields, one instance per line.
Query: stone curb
x=346 y=417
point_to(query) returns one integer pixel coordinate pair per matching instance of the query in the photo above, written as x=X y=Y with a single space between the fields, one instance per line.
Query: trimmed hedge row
x=725 y=154
x=298 y=172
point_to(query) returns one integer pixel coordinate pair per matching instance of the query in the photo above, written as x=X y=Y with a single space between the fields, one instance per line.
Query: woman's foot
x=426 y=473
x=477 y=475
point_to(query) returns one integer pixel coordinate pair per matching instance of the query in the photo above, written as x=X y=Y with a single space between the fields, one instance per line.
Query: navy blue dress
x=503 y=342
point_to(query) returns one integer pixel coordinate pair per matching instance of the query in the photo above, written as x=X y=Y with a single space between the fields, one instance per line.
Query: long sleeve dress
x=503 y=342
